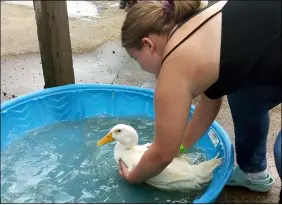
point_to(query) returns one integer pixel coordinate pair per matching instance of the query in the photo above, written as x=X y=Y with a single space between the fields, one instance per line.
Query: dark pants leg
x=277 y=156
x=249 y=107
x=277 y=153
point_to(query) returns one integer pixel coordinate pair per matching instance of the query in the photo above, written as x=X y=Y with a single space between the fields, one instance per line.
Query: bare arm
x=205 y=113
x=172 y=103
x=183 y=76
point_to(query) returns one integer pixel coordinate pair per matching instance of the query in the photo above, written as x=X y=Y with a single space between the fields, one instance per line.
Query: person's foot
x=239 y=178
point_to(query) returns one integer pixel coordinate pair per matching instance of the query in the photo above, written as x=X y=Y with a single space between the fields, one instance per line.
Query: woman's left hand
x=124 y=173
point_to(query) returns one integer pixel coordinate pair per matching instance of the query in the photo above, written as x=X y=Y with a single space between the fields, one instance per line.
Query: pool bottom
x=61 y=163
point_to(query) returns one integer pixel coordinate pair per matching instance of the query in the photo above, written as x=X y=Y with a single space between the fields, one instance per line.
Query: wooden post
x=54 y=42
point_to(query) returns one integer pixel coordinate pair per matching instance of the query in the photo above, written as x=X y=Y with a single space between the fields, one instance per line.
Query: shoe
x=239 y=178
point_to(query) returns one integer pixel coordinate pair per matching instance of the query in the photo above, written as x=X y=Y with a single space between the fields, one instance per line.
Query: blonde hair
x=150 y=17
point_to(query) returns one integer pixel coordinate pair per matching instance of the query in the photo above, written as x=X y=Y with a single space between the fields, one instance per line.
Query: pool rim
x=209 y=196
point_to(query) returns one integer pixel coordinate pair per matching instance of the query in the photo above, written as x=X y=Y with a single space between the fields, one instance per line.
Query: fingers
x=123 y=169
x=120 y=172
x=122 y=165
x=120 y=168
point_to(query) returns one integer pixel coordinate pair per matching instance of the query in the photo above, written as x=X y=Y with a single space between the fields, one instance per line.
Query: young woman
x=227 y=48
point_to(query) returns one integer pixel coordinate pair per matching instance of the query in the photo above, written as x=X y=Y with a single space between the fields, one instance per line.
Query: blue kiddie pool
x=80 y=101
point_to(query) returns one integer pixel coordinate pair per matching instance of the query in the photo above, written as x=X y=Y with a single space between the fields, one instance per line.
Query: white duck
x=178 y=175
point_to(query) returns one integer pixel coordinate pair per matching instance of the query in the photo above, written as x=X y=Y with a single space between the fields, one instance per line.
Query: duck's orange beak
x=106 y=139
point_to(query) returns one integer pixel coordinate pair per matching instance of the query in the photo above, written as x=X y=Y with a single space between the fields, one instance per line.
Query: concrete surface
x=108 y=64
x=21 y=73
x=19 y=34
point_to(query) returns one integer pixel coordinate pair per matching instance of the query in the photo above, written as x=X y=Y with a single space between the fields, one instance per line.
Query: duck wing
x=182 y=176
x=131 y=156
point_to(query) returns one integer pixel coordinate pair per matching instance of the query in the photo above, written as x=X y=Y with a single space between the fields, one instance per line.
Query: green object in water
x=182 y=149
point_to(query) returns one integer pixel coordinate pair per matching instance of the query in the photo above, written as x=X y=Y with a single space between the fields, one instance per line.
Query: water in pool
x=61 y=163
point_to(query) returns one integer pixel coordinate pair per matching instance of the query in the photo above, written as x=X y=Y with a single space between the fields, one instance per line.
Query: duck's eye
x=119 y=130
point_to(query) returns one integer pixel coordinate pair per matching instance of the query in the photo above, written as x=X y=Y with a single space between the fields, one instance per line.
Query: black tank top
x=250 y=46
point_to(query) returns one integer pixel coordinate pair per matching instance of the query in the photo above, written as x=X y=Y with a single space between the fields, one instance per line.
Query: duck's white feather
x=178 y=175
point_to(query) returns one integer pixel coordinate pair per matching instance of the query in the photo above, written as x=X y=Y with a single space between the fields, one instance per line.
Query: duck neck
x=120 y=146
